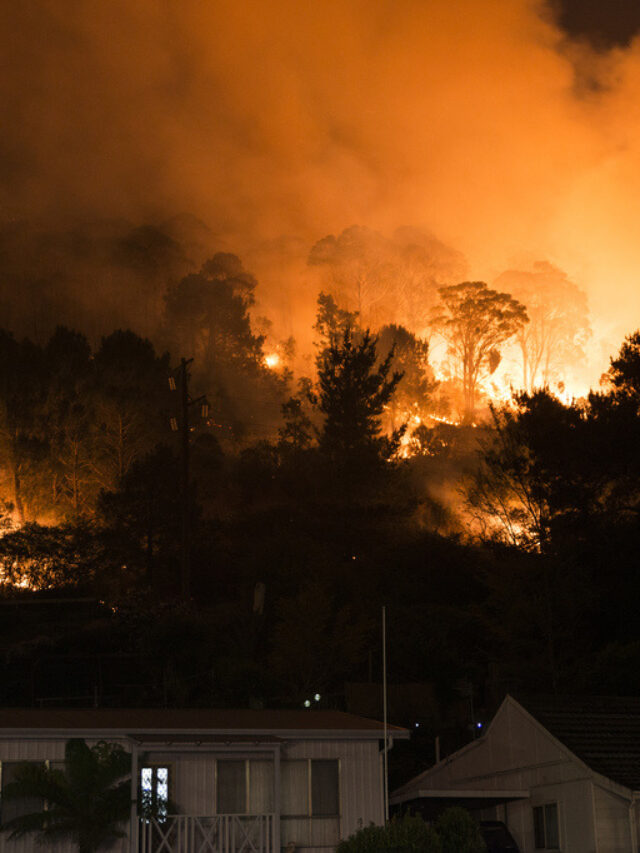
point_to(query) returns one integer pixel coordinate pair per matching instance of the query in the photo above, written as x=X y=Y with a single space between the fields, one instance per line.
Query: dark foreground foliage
x=455 y=831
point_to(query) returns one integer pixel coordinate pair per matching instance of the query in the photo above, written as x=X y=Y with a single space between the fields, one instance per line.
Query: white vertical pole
x=277 y=795
x=133 y=819
x=384 y=714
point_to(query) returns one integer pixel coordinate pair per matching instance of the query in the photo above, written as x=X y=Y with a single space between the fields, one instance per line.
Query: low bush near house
x=459 y=833
x=408 y=834
x=454 y=832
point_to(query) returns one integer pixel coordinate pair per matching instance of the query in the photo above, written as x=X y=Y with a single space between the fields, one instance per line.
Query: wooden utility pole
x=185 y=508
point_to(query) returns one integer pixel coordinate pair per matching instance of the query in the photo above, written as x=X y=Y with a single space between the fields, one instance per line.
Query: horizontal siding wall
x=612 y=822
x=193 y=779
x=361 y=798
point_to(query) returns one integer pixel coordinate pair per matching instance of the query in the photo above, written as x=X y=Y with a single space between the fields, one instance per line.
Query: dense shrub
x=408 y=834
x=367 y=840
x=459 y=832
x=455 y=832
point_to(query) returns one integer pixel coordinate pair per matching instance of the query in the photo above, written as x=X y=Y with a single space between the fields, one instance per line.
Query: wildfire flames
x=336 y=162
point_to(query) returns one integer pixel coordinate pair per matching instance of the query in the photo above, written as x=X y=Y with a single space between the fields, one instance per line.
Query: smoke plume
x=477 y=120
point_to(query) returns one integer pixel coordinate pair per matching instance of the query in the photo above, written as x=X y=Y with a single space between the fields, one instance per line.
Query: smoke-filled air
x=276 y=124
x=308 y=309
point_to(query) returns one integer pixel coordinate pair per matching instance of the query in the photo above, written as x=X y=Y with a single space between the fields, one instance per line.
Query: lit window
x=545 y=827
x=154 y=790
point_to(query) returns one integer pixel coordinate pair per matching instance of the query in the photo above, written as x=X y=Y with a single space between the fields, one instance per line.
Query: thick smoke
x=281 y=120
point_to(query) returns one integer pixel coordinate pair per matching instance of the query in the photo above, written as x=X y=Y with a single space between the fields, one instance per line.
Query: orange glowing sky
x=476 y=119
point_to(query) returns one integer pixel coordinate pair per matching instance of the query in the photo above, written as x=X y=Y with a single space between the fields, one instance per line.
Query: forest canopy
x=364 y=462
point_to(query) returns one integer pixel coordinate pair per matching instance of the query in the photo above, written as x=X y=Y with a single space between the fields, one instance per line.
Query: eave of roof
x=116 y=722
x=479 y=794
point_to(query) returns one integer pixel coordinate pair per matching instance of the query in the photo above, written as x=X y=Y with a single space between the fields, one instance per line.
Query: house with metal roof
x=247 y=781
x=562 y=774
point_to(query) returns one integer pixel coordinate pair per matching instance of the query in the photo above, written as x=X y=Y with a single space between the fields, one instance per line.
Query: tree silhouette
x=207 y=317
x=131 y=383
x=360 y=269
x=423 y=265
x=558 y=324
x=70 y=414
x=332 y=321
x=353 y=389
x=411 y=358
x=295 y=435
x=532 y=471
x=624 y=372
x=316 y=640
x=381 y=278
x=23 y=442
x=87 y=802
x=475 y=321
x=142 y=518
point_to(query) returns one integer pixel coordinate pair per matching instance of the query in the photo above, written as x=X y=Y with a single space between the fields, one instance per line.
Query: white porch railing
x=226 y=833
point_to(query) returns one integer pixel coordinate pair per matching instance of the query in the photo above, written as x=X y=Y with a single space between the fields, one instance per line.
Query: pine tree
x=353 y=390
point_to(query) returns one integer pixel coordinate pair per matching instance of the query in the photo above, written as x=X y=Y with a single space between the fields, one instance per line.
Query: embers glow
x=16 y=579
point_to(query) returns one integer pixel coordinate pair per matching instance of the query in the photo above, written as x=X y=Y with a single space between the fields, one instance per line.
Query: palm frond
x=87 y=803
x=22 y=825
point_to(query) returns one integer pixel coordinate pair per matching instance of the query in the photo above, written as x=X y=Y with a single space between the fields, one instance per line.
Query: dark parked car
x=497 y=837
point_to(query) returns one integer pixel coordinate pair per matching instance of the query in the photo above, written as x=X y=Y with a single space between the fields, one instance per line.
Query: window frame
x=216 y=779
x=154 y=767
x=312 y=813
x=248 y=776
x=309 y=815
x=541 y=808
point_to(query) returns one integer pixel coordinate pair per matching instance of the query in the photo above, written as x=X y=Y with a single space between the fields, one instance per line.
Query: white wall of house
x=612 y=821
x=193 y=782
x=361 y=796
x=518 y=754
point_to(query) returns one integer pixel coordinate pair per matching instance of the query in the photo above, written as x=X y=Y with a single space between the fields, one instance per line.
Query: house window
x=325 y=798
x=310 y=802
x=231 y=787
x=244 y=787
x=154 y=791
x=13 y=808
x=545 y=827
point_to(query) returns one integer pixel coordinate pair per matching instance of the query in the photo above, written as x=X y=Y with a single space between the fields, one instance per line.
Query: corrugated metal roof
x=209 y=720
x=603 y=731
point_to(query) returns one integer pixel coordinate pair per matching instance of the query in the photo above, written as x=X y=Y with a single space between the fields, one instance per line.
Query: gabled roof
x=210 y=721
x=603 y=731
